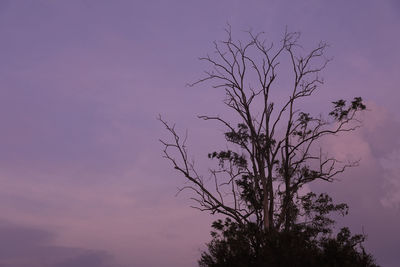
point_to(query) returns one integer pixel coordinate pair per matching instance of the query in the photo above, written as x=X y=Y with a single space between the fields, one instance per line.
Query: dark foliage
x=313 y=244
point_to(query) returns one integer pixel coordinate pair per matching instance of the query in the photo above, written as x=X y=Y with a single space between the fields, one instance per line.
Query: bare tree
x=277 y=145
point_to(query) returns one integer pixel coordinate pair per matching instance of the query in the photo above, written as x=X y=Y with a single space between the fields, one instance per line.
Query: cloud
x=88 y=259
x=26 y=246
x=372 y=189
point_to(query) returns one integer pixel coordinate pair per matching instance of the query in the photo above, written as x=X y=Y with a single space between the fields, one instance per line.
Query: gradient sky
x=82 y=82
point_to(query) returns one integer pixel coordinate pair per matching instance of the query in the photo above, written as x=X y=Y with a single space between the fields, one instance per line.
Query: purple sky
x=82 y=82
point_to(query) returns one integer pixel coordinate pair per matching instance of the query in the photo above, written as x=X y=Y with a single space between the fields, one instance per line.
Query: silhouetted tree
x=274 y=151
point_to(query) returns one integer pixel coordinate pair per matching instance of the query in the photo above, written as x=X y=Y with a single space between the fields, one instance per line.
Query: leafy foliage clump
x=309 y=243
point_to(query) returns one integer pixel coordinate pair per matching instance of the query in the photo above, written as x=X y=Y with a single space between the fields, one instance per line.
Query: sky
x=83 y=181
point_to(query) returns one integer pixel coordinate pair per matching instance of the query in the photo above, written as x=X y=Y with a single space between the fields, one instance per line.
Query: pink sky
x=82 y=82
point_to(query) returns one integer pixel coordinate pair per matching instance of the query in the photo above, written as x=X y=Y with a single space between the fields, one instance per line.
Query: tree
x=274 y=150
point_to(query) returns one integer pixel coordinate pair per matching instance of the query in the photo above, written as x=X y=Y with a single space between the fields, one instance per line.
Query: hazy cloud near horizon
x=22 y=246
